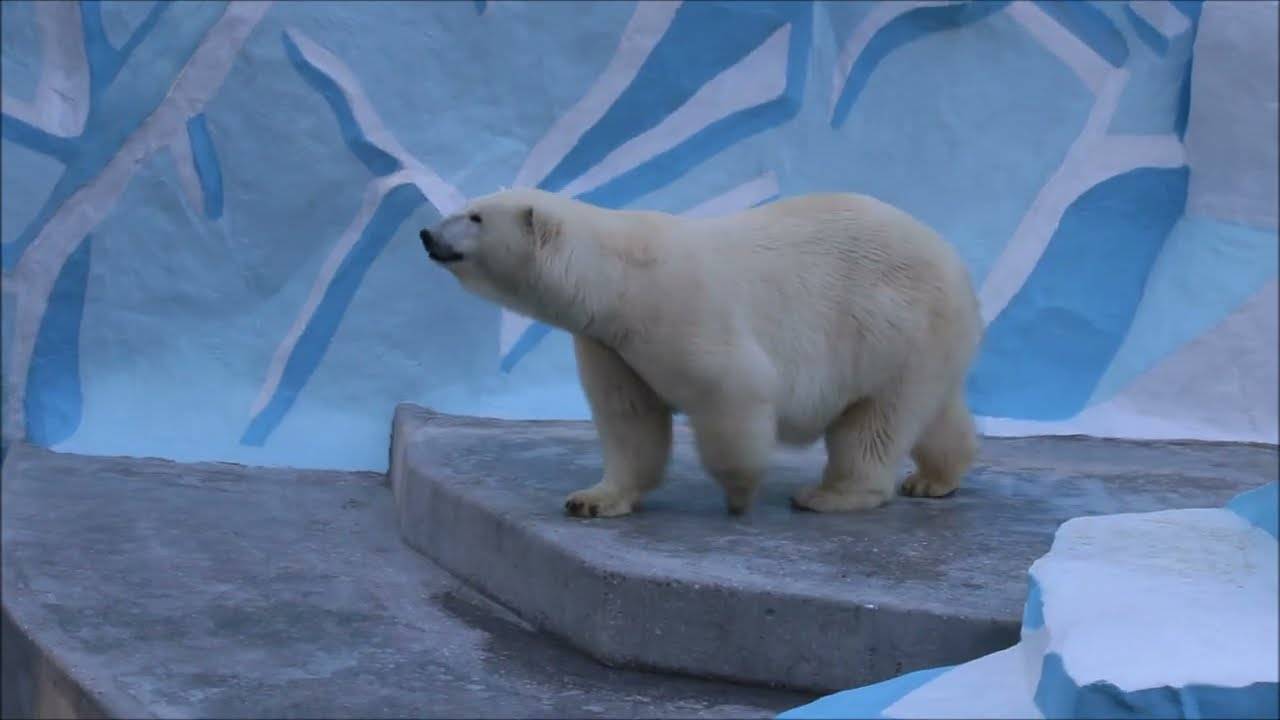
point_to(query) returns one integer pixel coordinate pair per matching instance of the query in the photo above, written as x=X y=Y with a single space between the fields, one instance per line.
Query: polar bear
x=832 y=316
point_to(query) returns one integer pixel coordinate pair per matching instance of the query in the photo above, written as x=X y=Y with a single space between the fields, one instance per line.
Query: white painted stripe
x=648 y=24
x=739 y=198
x=1161 y=15
x=1089 y=66
x=36 y=272
x=60 y=104
x=511 y=325
x=1105 y=104
x=374 y=192
x=758 y=78
x=446 y=198
x=1091 y=159
x=879 y=16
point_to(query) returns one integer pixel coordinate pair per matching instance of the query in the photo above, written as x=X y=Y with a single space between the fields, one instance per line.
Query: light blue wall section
x=27 y=178
x=216 y=312
x=1206 y=269
x=120 y=18
x=20 y=61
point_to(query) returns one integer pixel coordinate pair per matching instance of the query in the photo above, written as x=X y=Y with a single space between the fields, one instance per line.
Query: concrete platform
x=779 y=597
x=144 y=588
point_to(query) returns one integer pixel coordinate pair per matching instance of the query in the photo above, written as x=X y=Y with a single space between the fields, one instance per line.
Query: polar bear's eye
x=475 y=218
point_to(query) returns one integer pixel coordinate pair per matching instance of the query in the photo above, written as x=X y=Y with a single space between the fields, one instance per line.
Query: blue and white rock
x=1167 y=614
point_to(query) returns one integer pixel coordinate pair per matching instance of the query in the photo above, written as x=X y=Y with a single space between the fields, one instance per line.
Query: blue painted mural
x=210 y=209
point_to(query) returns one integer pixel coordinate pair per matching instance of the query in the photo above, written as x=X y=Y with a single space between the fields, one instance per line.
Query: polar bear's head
x=534 y=252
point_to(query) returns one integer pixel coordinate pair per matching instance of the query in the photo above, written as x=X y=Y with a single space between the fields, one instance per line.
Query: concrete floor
x=780 y=597
x=137 y=588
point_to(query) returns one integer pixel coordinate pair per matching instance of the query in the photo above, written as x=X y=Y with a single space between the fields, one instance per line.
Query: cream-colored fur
x=827 y=316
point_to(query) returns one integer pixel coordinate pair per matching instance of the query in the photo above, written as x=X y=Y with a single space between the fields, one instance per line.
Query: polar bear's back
x=850 y=225
x=838 y=289
x=817 y=248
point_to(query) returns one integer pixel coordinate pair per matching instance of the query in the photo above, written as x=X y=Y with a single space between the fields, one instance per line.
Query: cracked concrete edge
x=41 y=678
x=628 y=617
x=35 y=685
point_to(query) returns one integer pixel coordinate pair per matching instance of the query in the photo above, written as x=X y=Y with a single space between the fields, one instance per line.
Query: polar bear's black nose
x=436 y=249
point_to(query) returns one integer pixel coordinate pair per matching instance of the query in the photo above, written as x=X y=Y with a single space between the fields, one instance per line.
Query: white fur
x=826 y=316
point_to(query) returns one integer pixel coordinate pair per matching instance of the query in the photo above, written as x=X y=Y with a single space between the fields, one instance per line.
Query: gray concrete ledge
x=145 y=588
x=782 y=598
x=35 y=686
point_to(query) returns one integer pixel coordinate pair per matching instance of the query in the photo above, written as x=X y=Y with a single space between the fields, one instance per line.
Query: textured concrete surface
x=35 y=686
x=802 y=600
x=216 y=590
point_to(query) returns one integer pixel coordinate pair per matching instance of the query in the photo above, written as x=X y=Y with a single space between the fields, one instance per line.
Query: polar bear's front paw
x=599 y=501
x=920 y=485
x=821 y=499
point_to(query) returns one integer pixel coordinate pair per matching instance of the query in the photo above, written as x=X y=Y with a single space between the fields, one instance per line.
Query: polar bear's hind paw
x=921 y=485
x=597 y=502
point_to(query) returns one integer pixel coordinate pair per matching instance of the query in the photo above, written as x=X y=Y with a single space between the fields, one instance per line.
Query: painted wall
x=210 y=209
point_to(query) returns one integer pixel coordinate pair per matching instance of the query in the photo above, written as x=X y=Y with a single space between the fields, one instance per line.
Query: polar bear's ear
x=541 y=227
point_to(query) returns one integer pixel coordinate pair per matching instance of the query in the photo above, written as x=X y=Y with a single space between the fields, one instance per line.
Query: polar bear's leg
x=634 y=426
x=734 y=444
x=863 y=445
x=944 y=451
x=866 y=443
